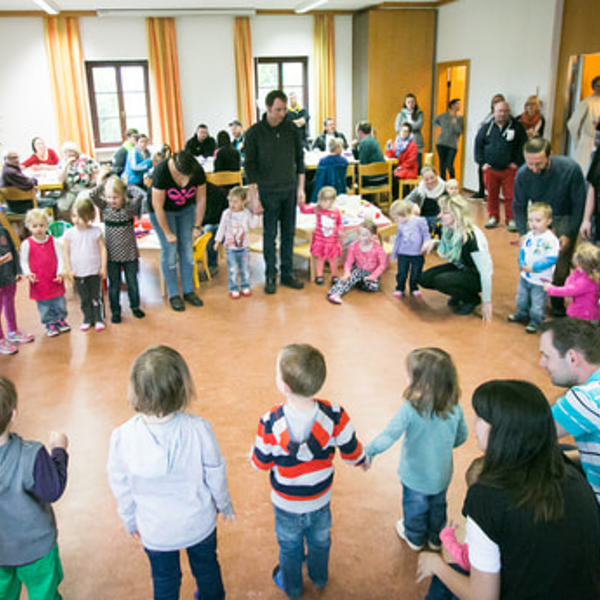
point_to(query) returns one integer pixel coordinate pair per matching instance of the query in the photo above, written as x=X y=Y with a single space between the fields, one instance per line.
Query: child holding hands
x=168 y=476
x=365 y=262
x=85 y=261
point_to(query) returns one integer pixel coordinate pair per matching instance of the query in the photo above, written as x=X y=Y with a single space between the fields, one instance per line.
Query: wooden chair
x=351 y=175
x=411 y=183
x=303 y=251
x=15 y=195
x=225 y=178
x=380 y=169
x=428 y=159
x=200 y=256
x=385 y=233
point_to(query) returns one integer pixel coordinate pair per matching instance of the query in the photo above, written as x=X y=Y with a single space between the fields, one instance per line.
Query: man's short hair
x=8 y=402
x=302 y=369
x=326 y=120
x=131 y=131
x=202 y=126
x=365 y=127
x=537 y=145
x=570 y=333
x=274 y=95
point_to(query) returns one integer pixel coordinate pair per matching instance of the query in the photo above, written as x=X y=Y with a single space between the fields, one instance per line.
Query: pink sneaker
x=84 y=326
x=234 y=295
x=246 y=292
x=7 y=348
x=18 y=337
x=334 y=299
x=99 y=326
x=398 y=294
x=416 y=293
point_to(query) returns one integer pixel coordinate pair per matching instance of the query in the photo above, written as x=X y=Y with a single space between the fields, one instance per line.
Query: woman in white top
x=582 y=126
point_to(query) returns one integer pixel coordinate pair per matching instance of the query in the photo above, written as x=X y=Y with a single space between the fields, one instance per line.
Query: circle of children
x=525 y=501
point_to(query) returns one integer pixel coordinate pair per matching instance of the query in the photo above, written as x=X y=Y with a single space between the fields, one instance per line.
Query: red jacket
x=407 y=167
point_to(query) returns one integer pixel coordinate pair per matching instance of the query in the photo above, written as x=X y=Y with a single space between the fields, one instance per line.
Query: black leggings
x=446 y=156
x=459 y=284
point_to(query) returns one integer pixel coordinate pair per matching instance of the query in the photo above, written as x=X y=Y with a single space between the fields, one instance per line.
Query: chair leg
x=206 y=269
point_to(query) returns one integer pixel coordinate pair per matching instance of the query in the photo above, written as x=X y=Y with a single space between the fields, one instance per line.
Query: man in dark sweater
x=201 y=144
x=559 y=182
x=499 y=153
x=12 y=176
x=275 y=169
x=322 y=141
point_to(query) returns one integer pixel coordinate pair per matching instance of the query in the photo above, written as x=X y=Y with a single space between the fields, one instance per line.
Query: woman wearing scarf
x=426 y=195
x=467 y=277
x=404 y=150
x=532 y=119
x=413 y=115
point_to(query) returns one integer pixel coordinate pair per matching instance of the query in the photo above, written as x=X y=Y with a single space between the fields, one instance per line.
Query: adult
x=450 y=124
x=12 y=176
x=499 y=153
x=176 y=213
x=77 y=172
x=557 y=181
x=275 y=171
x=42 y=156
x=237 y=135
x=332 y=170
x=427 y=195
x=411 y=113
x=590 y=225
x=489 y=117
x=201 y=143
x=532 y=119
x=227 y=158
x=138 y=162
x=467 y=277
x=365 y=147
x=404 y=150
x=570 y=352
x=120 y=156
x=582 y=125
x=299 y=117
x=532 y=523
x=329 y=132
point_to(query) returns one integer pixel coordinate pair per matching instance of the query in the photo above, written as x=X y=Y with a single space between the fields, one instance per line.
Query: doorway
x=452 y=81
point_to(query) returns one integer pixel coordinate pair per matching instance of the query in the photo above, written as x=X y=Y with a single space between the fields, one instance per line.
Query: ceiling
x=87 y=5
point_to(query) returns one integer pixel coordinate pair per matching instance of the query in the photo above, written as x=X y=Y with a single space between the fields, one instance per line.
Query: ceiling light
x=310 y=5
x=49 y=6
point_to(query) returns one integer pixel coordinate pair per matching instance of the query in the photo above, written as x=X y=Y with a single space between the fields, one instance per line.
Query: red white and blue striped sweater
x=302 y=474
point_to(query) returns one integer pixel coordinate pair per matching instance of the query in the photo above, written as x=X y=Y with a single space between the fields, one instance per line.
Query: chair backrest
x=428 y=159
x=382 y=171
x=57 y=228
x=351 y=175
x=200 y=245
x=225 y=178
x=13 y=195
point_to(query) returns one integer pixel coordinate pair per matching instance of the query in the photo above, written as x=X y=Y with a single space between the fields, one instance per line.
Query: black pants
x=415 y=264
x=459 y=284
x=446 y=156
x=481 y=190
x=90 y=292
x=279 y=208
x=114 y=284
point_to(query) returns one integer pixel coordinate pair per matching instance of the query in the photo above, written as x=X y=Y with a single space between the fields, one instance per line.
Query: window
x=119 y=99
x=276 y=73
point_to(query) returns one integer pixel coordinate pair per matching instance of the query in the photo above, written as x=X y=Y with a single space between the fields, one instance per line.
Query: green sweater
x=369 y=151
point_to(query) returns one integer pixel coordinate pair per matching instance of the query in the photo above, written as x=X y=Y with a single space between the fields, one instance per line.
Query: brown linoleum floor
x=78 y=383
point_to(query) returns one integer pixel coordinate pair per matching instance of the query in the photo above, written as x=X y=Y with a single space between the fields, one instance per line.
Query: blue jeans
x=166 y=571
x=531 y=301
x=291 y=530
x=439 y=591
x=181 y=223
x=238 y=261
x=424 y=515
x=52 y=310
x=211 y=254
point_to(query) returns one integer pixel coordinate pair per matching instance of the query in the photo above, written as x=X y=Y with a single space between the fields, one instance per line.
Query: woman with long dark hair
x=413 y=115
x=533 y=529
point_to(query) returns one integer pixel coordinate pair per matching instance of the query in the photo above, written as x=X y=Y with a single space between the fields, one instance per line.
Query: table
x=48 y=178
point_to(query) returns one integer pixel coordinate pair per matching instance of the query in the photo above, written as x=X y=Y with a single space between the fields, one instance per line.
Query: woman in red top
x=42 y=155
x=404 y=149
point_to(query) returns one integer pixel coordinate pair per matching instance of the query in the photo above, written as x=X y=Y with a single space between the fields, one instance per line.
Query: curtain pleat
x=324 y=66
x=242 y=48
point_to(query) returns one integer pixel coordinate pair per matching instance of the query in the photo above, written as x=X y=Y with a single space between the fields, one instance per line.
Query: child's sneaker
x=400 y=531
x=7 y=348
x=99 y=326
x=319 y=280
x=85 y=326
x=18 y=337
x=63 y=326
x=52 y=330
x=334 y=299
x=278 y=577
x=398 y=294
x=531 y=328
x=517 y=318
x=416 y=293
x=433 y=546
x=246 y=292
x=234 y=295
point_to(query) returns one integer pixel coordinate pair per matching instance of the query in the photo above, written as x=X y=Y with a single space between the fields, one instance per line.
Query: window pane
x=292 y=74
x=110 y=130
x=267 y=76
x=105 y=79
x=139 y=123
x=135 y=104
x=299 y=92
x=132 y=79
x=107 y=105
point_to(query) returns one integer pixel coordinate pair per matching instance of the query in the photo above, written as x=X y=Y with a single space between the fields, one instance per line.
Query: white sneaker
x=511 y=226
x=400 y=531
x=492 y=223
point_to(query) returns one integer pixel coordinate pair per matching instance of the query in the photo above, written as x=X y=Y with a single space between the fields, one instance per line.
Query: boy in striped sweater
x=296 y=442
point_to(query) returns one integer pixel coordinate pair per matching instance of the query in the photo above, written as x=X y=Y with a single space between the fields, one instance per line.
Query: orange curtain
x=67 y=80
x=324 y=66
x=242 y=48
x=164 y=66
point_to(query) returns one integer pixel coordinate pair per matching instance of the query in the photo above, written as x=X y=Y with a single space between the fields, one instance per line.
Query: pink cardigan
x=459 y=552
x=584 y=292
x=374 y=261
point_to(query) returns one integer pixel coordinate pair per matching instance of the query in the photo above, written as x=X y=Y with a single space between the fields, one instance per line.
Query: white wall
x=510 y=44
x=26 y=108
x=343 y=74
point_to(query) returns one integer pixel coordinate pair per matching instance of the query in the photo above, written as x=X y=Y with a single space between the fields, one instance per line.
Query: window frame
x=90 y=65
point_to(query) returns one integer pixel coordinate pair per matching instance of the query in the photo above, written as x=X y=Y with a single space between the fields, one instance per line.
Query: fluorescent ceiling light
x=306 y=6
x=175 y=12
x=49 y=6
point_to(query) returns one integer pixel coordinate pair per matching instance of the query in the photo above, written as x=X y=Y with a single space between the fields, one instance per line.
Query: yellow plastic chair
x=200 y=255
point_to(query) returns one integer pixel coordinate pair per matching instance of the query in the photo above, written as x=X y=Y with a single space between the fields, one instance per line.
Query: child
x=460 y=552
x=85 y=260
x=118 y=210
x=452 y=188
x=30 y=479
x=327 y=238
x=234 y=232
x=433 y=423
x=10 y=273
x=537 y=257
x=581 y=284
x=42 y=264
x=411 y=234
x=138 y=162
x=365 y=262
x=168 y=476
x=296 y=442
